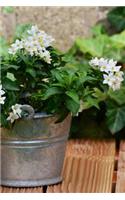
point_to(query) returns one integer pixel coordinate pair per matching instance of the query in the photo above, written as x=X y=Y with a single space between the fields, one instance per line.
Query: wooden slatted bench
x=89 y=166
x=21 y=190
x=120 y=186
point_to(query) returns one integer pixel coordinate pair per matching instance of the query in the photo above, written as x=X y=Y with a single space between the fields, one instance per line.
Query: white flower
x=41 y=37
x=103 y=65
x=47 y=40
x=29 y=47
x=108 y=79
x=12 y=117
x=102 y=62
x=46 y=80
x=44 y=54
x=112 y=74
x=47 y=56
x=104 y=68
x=17 y=109
x=12 y=51
x=33 y=30
x=115 y=68
x=119 y=75
x=111 y=64
x=16 y=113
x=114 y=81
x=35 y=44
x=115 y=85
x=2 y=98
x=15 y=47
x=41 y=51
x=94 y=62
x=1 y=91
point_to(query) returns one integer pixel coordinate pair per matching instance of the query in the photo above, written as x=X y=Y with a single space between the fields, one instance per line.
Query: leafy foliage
x=56 y=87
x=67 y=83
x=102 y=45
x=23 y=75
x=21 y=30
x=7 y=9
x=109 y=103
x=117 y=18
x=115 y=117
x=3 y=47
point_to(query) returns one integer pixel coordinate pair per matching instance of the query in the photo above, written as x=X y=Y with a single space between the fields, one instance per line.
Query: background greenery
x=94 y=123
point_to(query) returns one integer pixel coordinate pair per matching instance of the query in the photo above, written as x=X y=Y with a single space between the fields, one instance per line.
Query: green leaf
x=31 y=71
x=93 y=46
x=25 y=59
x=99 y=95
x=98 y=30
x=62 y=115
x=10 y=76
x=57 y=75
x=102 y=45
x=61 y=85
x=9 y=66
x=118 y=96
x=10 y=85
x=73 y=95
x=51 y=91
x=115 y=118
x=90 y=102
x=72 y=106
x=116 y=17
x=119 y=40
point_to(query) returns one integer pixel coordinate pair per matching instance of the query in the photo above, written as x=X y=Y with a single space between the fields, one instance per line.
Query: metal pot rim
x=42 y=115
x=32 y=143
x=7 y=138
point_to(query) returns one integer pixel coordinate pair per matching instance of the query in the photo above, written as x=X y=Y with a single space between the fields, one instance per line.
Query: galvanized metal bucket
x=32 y=153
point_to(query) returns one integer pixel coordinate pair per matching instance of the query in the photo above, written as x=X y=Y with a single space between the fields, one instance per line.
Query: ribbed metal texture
x=32 y=152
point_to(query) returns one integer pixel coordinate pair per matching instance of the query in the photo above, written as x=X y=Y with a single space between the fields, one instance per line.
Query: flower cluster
x=2 y=98
x=112 y=74
x=16 y=113
x=35 y=44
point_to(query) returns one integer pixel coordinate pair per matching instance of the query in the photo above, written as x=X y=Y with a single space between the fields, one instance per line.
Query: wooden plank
x=120 y=185
x=21 y=190
x=88 y=167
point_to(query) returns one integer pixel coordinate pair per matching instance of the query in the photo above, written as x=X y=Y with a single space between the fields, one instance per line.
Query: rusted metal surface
x=32 y=153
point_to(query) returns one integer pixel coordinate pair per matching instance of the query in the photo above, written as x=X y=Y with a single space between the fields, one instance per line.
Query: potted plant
x=33 y=135
x=39 y=92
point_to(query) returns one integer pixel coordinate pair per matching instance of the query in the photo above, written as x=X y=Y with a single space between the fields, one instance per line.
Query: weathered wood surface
x=21 y=190
x=88 y=167
x=120 y=186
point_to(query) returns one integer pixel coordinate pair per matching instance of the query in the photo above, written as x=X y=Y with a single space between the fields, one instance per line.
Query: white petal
x=2 y=99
